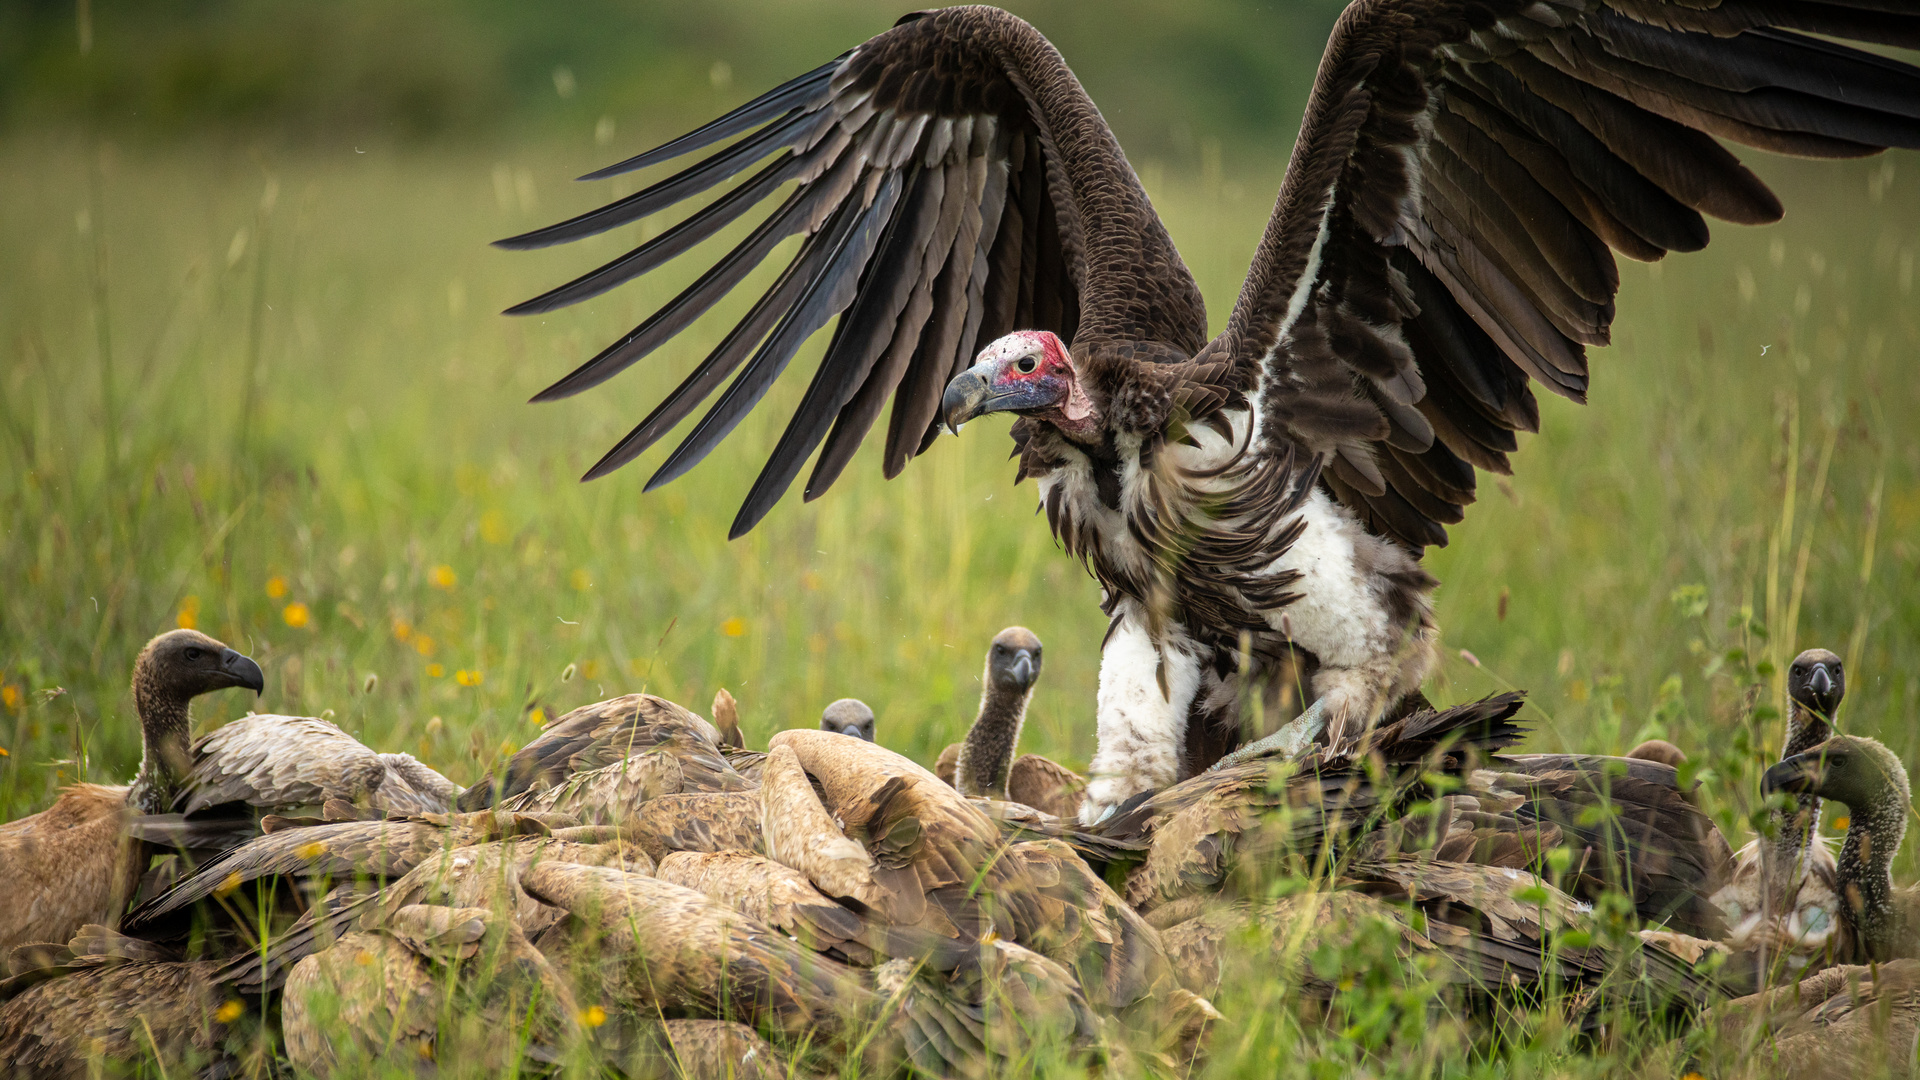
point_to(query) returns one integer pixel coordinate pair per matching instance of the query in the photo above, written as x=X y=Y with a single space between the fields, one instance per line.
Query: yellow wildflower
x=3 y=752
x=443 y=577
x=468 y=677
x=423 y=644
x=537 y=716
x=229 y=1012
x=402 y=630
x=188 y=617
x=1841 y=823
x=493 y=527
x=435 y=671
x=593 y=1016
x=10 y=695
x=296 y=614
x=734 y=627
x=276 y=587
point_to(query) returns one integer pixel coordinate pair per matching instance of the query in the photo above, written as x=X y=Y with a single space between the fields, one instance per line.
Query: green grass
x=227 y=374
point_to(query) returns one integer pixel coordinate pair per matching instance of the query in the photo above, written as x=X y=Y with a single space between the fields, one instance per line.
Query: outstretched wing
x=1466 y=169
x=953 y=183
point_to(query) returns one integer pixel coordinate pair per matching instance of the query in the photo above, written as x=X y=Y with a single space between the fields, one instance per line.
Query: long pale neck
x=1866 y=873
x=986 y=757
x=165 y=730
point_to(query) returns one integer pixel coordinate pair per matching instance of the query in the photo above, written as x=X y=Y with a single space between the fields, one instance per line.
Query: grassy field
x=269 y=396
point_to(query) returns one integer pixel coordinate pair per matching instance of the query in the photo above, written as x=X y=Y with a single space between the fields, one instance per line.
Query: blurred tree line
x=1176 y=80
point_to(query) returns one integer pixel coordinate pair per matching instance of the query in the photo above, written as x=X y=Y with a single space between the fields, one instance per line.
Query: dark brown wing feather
x=1443 y=236
x=954 y=183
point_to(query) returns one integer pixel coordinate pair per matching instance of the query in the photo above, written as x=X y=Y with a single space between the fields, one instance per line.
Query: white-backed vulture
x=1782 y=900
x=74 y=863
x=1878 y=921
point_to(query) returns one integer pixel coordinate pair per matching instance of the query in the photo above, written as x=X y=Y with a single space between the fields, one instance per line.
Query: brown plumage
x=988 y=1018
x=608 y=733
x=712 y=821
x=74 y=863
x=281 y=870
x=775 y=894
x=488 y=876
x=281 y=763
x=116 y=1013
x=1444 y=238
x=1201 y=829
x=1631 y=829
x=381 y=995
x=934 y=856
x=718 y=1049
x=649 y=945
x=1844 y=1021
x=1082 y=923
x=1878 y=921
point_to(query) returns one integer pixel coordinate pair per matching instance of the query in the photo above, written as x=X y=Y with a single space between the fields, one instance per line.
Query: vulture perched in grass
x=1878 y=922
x=74 y=863
x=1782 y=899
x=983 y=765
x=1444 y=240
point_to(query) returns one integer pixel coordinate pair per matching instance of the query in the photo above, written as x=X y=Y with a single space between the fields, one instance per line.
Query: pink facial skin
x=1029 y=372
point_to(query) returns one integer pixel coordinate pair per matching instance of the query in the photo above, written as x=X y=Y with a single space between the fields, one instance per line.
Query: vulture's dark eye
x=193 y=654
x=1027 y=364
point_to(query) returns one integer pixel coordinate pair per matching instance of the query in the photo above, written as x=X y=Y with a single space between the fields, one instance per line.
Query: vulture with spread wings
x=1444 y=240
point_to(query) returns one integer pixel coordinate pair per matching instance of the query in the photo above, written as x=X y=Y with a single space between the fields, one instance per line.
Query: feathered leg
x=1145 y=693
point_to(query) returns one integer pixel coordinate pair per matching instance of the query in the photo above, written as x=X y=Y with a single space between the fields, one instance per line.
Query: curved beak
x=967 y=396
x=1022 y=669
x=1799 y=774
x=243 y=671
x=1820 y=682
x=854 y=730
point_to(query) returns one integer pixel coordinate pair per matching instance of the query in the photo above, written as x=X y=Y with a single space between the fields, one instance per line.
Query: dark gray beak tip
x=1022 y=670
x=1820 y=682
x=243 y=671
x=1791 y=775
x=961 y=399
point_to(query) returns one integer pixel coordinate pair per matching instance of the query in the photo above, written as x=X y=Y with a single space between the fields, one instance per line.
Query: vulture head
x=182 y=664
x=1859 y=772
x=848 y=716
x=1013 y=663
x=1028 y=372
x=1816 y=681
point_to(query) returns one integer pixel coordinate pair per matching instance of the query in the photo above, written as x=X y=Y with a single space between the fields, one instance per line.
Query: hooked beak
x=854 y=730
x=1022 y=669
x=966 y=397
x=980 y=390
x=1820 y=682
x=1799 y=774
x=243 y=671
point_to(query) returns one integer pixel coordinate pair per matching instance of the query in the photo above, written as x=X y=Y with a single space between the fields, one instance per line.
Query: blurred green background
x=254 y=381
